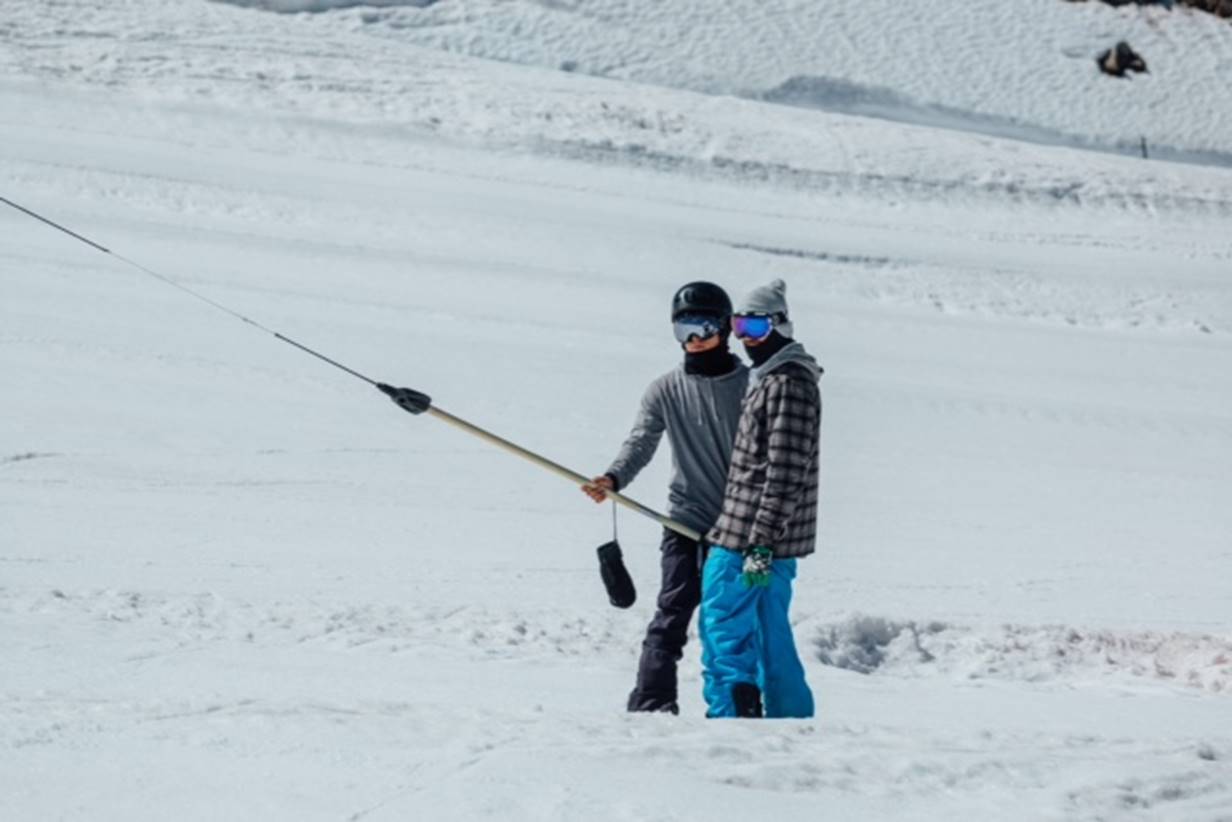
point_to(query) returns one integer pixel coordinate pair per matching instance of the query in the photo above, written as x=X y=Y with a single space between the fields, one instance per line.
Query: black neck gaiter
x=713 y=363
x=773 y=344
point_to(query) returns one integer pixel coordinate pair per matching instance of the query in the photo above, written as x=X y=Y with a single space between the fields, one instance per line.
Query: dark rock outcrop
x=1120 y=59
x=1220 y=8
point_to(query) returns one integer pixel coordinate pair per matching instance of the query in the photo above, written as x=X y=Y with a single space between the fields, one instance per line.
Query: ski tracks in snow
x=337 y=670
x=1040 y=655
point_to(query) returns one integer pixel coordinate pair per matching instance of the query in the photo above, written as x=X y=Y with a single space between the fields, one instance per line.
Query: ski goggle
x=752 y=326
x=696 y=327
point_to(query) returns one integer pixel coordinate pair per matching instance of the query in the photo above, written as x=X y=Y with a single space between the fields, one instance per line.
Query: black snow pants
x=679 y=596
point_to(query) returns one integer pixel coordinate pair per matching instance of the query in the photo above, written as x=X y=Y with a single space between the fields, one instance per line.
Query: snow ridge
x=1041 y=654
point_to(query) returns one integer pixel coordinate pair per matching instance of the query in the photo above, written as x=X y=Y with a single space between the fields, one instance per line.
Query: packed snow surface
x=238 y=583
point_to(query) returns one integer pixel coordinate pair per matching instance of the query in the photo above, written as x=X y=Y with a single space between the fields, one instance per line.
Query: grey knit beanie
x=768 y=299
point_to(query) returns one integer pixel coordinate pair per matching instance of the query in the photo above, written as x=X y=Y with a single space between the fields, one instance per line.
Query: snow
x=238 y=583
x=1025 y=653
x=297 y=6
x=1024 y=69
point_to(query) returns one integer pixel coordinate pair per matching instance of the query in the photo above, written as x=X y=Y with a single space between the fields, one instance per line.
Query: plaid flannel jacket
x=771 y=494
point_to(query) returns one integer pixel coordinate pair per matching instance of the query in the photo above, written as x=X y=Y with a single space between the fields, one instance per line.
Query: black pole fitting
x=408 y=399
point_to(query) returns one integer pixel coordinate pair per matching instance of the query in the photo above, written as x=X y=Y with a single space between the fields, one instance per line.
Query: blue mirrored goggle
x=752 y=326
x=696 y=327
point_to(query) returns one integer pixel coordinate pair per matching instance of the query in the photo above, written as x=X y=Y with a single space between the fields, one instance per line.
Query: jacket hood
x=793 y=352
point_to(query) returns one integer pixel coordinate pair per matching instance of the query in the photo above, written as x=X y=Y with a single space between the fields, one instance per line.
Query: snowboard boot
x=649 y=703
x=747 y=698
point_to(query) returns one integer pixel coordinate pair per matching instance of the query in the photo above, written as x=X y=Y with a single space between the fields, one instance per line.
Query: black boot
x=643 y=703
x=747 y=698
x=655 y=689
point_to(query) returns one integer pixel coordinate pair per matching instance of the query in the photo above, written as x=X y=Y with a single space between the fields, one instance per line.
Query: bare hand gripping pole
x=406 y=398
x=416 y=402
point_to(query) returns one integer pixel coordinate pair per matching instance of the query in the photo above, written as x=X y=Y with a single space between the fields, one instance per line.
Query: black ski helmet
x=702 y=298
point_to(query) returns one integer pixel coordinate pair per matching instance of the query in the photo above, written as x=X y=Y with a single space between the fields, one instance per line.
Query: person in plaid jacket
x=768 y=521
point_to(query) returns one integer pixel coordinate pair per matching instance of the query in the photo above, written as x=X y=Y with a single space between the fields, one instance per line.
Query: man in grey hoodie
x=769 y=519
x=698 y=405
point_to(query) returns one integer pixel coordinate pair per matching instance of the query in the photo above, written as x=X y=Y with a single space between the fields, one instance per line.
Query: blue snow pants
x=746 y=638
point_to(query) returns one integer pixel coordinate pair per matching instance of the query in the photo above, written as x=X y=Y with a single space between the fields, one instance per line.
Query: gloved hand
x=755 y=572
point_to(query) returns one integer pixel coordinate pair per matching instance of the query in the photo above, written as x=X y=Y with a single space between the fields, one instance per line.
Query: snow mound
x=1057 y=653
x=845 y=97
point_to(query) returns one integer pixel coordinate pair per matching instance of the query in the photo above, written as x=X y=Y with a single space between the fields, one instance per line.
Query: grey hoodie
x=700 y=415
x=792 y=352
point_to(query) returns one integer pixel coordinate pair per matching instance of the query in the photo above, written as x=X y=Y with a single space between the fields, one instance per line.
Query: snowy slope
x=1024 y=68
x=237 y=583
x=314 y=65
